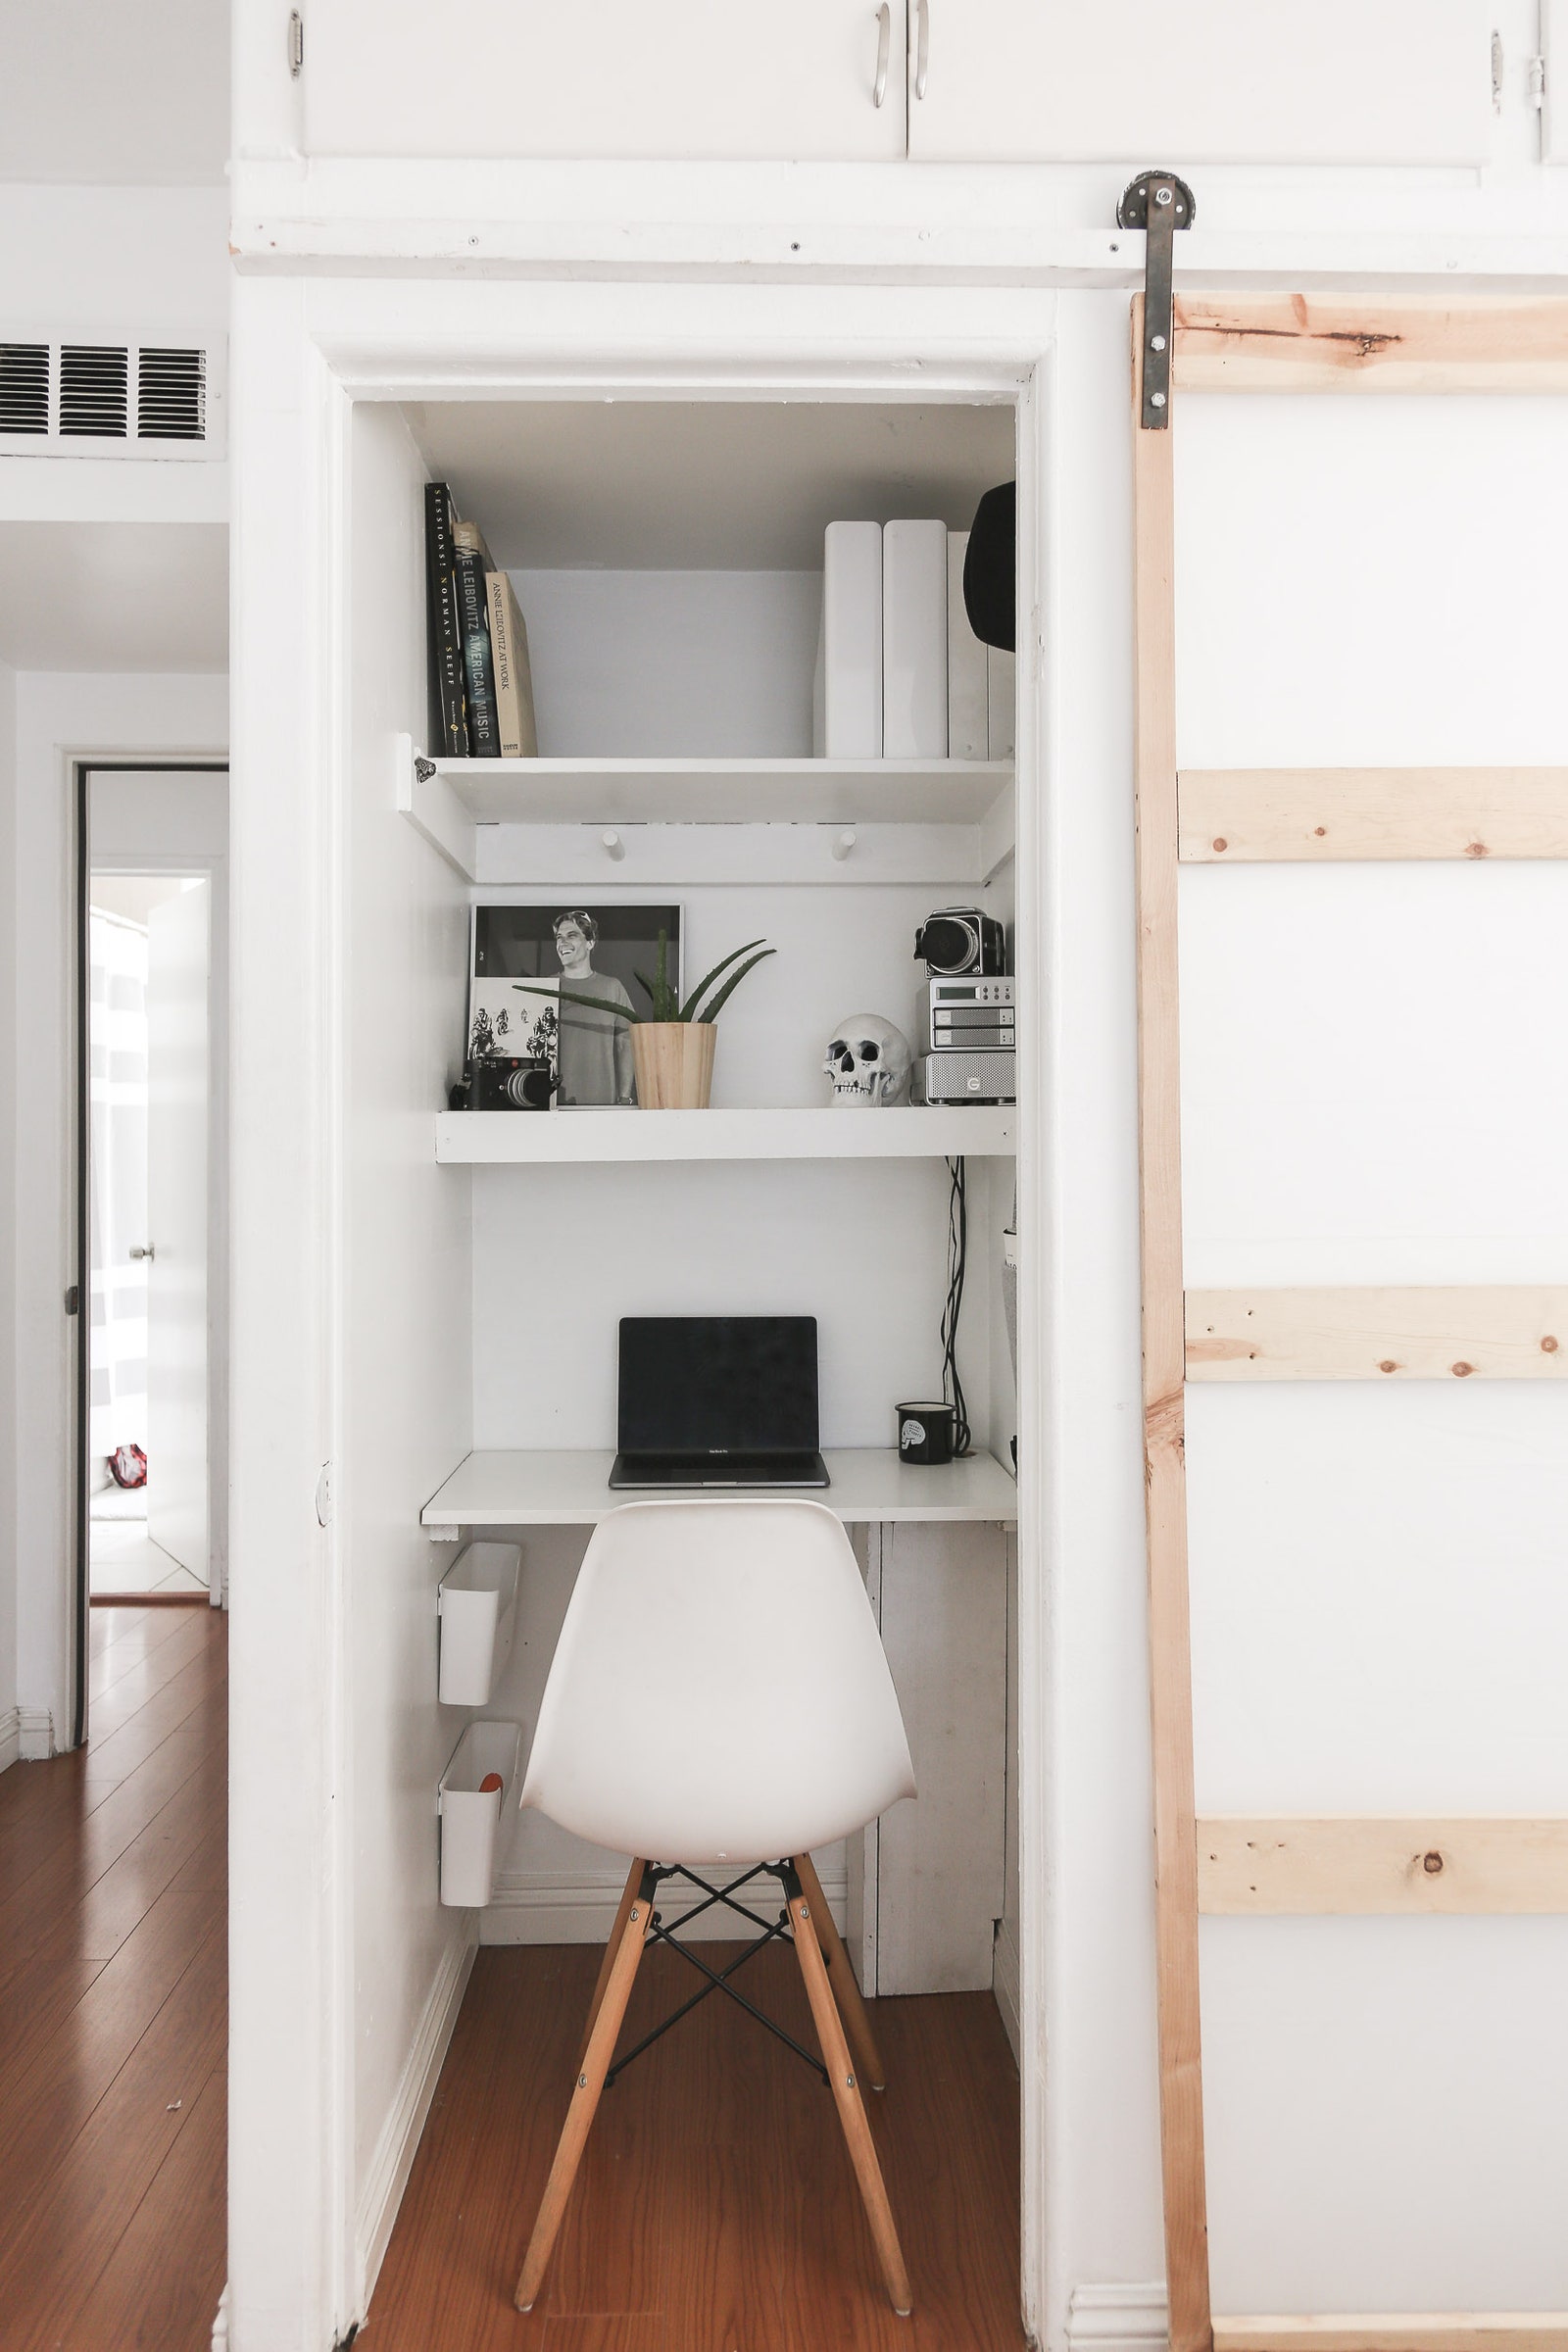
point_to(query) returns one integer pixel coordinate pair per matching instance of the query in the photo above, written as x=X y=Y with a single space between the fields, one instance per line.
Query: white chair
x=788 y=1737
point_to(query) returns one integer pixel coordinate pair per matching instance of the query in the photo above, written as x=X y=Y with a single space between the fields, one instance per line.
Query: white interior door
x=1136 y=81
x=699 y=79
x=179 y=1089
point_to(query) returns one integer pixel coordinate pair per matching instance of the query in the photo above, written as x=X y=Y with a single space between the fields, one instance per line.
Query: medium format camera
x=961 y=939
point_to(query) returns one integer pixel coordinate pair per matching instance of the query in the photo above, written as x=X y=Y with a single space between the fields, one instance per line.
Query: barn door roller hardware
x=1160 y=204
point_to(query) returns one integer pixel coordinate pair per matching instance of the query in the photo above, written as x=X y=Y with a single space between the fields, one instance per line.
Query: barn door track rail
x=1361 y=1866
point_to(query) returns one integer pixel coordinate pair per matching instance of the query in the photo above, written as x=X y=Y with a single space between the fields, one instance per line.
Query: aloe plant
x=662 y=997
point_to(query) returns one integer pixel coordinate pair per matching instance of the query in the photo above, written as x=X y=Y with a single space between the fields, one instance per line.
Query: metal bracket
x=1159 y=204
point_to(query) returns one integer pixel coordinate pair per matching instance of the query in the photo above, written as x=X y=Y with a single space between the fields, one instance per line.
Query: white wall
x=150 y=261
x=666 y=662
x=62 y=716
x=700 y=663
x=406 y=1340
x=117 y=90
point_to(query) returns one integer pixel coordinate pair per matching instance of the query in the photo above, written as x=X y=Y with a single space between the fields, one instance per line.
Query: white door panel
x=703 y=78
x=179 y=1088
x=1138 y=81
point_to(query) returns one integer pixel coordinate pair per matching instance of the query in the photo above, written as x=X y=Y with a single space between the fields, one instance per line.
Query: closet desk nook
x=732 y=776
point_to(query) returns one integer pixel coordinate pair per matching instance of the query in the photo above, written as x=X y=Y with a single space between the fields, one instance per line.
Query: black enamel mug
x=925 y=1433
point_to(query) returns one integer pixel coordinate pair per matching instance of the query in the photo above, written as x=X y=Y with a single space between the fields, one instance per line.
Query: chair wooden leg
x=841 y=1976
x=629 y=1950
x=611 y=1946
x=852 y=2110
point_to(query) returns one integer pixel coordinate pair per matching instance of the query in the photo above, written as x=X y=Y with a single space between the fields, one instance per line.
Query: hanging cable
x=957 y=1256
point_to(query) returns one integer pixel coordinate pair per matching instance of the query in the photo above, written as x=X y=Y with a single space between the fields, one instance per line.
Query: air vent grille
x=23 y=388
x=94 y=390
x=172 y=394
x=161 y=404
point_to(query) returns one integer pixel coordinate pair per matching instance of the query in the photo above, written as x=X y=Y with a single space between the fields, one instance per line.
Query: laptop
x=718 y=1400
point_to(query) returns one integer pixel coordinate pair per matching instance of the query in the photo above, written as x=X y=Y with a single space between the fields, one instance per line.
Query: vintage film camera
x=505 y=1082
x=961 y=939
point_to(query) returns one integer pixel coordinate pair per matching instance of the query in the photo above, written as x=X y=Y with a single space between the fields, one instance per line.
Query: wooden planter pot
x=674 y=1064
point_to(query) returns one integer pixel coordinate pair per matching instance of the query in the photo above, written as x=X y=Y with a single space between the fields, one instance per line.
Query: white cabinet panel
x=702 y=78
x=1398 y=81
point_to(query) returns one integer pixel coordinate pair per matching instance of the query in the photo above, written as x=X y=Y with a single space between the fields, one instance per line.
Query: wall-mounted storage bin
x=478 y=1607
x=471 y=1818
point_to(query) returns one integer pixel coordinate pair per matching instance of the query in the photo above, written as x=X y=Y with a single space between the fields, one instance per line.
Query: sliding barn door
x=1353 y=878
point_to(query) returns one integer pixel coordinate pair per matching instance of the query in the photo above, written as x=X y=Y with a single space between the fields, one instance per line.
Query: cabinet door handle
x=139 y=1251
x=922 y=45
x=884 y=43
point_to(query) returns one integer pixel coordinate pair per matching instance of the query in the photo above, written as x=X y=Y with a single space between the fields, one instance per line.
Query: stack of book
x=900 y=673
x=481 y=689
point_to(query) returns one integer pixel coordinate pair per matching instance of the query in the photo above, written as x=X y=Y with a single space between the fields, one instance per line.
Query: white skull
x=868 y=1062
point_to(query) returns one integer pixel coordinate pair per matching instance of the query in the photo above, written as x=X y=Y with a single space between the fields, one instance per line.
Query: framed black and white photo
x=590 y=951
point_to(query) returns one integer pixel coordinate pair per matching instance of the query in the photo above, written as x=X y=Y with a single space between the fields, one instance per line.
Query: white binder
x=846 y=714
x=915 y=641
x=968 y=699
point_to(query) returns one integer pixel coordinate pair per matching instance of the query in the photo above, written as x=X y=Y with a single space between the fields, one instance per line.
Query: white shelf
x=571 y=1489
x=726 y=792
x=531 y=1138
x=446 y=800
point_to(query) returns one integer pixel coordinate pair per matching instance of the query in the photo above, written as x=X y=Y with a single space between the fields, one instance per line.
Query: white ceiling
x=123 y=92
x=732 y=486
x=130 y=596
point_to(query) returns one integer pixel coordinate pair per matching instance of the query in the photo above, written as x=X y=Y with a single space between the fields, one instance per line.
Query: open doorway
x=155 y=1176
x=149 y=1086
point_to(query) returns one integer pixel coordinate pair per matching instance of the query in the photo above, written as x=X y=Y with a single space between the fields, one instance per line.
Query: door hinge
x=1159 y=204
x=296 y=44
x=74 y=1299
x=323 y=1497
x=1536 y=81
x=1497 y=72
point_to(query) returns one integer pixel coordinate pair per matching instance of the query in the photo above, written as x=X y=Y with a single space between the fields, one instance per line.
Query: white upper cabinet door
x=1144 y=82
x=711 y=80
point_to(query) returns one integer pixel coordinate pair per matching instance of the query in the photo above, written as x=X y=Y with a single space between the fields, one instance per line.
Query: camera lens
x=948 y=945
x=529 y=1089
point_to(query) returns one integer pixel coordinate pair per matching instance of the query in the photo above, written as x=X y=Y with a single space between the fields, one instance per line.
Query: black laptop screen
x=717 y=1384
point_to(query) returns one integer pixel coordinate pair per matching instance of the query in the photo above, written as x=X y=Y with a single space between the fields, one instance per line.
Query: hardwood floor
x=114 y=2005
x=716 y=2210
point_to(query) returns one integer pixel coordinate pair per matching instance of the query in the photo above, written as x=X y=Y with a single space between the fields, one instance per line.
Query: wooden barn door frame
x=1299 y=343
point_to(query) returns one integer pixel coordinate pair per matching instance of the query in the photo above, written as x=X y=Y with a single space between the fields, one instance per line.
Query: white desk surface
x=571 y=1489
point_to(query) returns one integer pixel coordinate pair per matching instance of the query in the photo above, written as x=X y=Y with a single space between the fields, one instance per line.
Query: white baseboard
x=10 y=1737
x=1118 y=2318
x=1006 y=1982
x=35 y=1734
x=542 y=1906
x=393 y=2161
x=220 y=2323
